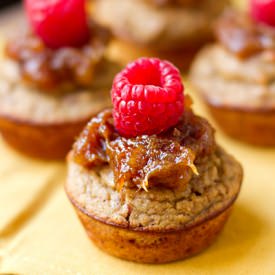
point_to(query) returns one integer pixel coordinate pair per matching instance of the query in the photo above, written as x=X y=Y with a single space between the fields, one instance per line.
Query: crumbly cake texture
x=23 y=103
x=161 y=209
x=162 y=28
x=224 y=80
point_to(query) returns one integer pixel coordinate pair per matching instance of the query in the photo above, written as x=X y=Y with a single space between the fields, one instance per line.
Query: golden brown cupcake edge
x=149 y=246
x=48 y=141
x=255 y=127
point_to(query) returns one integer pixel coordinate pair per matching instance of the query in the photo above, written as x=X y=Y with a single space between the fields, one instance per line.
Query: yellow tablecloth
x=40 y=233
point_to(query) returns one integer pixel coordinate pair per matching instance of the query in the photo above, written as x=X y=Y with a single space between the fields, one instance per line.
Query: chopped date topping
x=243 y=36
x=167 y=159
x=151 y=137
x=60 y=69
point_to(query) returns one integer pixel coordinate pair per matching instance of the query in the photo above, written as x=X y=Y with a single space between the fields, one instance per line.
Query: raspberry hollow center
x=149 y=75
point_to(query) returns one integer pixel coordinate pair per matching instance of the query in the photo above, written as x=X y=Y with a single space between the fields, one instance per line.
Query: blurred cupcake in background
x=171 y=29
x=235 y=76
x=54 y=78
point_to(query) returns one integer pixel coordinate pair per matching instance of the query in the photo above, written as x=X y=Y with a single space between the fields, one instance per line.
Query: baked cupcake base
x=153 y=247
x=256 y=127
x=161 y=225
x=52 y=141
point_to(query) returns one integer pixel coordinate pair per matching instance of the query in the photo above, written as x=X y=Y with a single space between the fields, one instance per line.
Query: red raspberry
x=59 y=23
x=147 y=97
x=263 y=11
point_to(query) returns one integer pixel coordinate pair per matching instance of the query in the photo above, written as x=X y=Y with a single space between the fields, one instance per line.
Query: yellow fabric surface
x=40 y=233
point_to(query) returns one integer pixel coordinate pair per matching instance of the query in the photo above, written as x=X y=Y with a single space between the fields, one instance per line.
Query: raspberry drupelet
x=147 y=97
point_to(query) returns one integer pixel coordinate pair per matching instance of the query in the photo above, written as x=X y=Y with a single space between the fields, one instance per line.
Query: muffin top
x=167 y=159
x=241 y=73
x=24 y=103
x=141 y=150
x=93 y=191
x=62 y=51
x=248 y=48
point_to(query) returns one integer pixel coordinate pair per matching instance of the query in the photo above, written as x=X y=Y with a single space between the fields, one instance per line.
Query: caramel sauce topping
x=167 y=159
x=242 y=36
x=63 y=69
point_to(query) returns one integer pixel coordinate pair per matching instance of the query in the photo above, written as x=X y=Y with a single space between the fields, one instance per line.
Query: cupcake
x=235 y=76
x=173 y=29
x=146 y=178
x=53 y=78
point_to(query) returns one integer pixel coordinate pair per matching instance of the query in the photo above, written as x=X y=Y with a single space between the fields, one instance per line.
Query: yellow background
x=40 y=233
